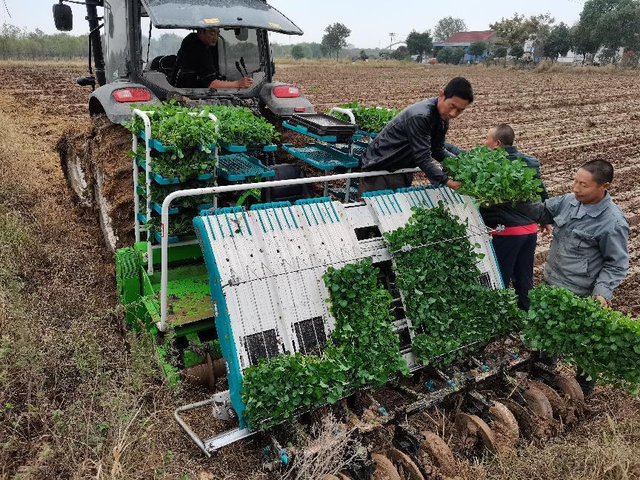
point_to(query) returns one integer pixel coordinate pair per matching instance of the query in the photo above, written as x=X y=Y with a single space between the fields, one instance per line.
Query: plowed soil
x=79 y=401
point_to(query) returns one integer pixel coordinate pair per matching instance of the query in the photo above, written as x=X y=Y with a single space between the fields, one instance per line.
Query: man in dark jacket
x=413 y=137
x=197 y=63
x=515 y=246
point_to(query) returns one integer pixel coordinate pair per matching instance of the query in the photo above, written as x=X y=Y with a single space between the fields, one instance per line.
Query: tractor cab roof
x=190 y=14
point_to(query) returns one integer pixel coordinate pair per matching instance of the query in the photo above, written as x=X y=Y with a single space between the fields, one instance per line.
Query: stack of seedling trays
x=163 y=182
x=322 y=127
x=244 y=139
x=331 y=132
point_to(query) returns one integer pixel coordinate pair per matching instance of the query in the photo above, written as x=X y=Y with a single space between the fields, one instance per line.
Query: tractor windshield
x=238 y=50
x=233 y=46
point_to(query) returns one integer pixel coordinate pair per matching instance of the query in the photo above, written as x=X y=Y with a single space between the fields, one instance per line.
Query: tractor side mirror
x=63 y=17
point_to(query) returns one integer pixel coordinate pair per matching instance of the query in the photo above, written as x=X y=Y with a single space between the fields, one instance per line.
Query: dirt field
x=79 y=399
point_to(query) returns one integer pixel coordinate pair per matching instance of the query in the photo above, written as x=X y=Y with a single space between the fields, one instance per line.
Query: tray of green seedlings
x=169 y=169
x=175 y=128
x=241 y=131
x=370 y=120
x=491 y=178
x=180 y=228
x=180 y=205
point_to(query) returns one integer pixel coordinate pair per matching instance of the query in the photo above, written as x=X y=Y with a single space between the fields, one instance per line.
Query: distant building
x=464 y=41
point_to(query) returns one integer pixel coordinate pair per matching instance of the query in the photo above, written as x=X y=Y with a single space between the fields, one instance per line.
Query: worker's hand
x=602 y=300
x=453 y=184
x=546 y=229
x=245 y=82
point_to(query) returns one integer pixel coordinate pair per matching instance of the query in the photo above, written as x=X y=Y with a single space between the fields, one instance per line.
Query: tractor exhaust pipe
x=95 y=44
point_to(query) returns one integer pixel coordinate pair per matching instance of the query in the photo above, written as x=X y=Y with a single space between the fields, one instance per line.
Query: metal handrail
x=164 y=263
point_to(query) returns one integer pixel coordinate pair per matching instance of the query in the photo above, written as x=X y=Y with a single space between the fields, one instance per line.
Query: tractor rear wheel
x=99 y=173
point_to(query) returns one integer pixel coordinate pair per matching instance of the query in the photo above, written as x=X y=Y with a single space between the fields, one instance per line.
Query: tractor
x=121 y=74
x=245 y=285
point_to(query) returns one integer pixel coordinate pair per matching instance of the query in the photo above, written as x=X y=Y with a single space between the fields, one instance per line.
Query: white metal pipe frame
x=164 y=263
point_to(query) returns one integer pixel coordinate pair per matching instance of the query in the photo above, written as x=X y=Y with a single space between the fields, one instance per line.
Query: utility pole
x=391 y=35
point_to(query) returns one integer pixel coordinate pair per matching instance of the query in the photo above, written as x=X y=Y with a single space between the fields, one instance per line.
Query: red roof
x=470 y=37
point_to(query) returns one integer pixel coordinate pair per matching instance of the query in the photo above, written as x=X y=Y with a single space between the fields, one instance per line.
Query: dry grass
x=331 y=449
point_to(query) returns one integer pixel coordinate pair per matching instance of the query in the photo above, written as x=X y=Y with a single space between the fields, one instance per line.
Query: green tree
x=400 y=53
x=515 y=31
x=451 y=55
x=419 y=43
x=297 y=52
x=363 y=55
x=477 y=49
x=335 y=38
x=499 y=52
x=516 y=51
x=559 y=42
x=584 y=41
x=612 y=23
x=448 y=26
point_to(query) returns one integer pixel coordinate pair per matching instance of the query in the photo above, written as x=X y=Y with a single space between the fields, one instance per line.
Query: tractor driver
x=197 y=62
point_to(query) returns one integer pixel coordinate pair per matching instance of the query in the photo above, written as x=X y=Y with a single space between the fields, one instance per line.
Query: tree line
x=603 y=29
x=19 y=44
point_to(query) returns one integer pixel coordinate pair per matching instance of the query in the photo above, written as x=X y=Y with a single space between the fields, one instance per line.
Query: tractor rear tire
x=99 y=173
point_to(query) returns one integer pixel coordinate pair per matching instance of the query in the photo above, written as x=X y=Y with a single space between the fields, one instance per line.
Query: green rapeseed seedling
x=490 y=177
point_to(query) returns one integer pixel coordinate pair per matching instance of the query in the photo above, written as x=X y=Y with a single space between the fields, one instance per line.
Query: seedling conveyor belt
x=266 y=265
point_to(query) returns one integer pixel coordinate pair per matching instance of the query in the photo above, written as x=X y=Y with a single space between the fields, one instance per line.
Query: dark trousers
x=515 y=254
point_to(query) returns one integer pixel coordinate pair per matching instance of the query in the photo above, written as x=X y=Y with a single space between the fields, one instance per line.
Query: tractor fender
x=284 y=107
x=103 y=102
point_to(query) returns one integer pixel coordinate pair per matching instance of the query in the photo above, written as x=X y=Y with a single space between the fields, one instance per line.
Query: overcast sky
x=370 y=21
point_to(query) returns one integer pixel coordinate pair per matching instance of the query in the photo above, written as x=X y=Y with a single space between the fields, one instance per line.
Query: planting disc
x=342 y=476
x=406 y=467
x=570 y=387
x=538 y=403
x=522 y=416
x=472 y=426
x=439 y=452
x=557 y=403
x=504 y=422
x=384 y=468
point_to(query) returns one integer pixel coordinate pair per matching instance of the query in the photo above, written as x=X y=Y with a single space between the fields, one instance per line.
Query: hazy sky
x=370 y=21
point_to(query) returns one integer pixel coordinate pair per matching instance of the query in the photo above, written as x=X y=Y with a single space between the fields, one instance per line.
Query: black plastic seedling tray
x=324 y=125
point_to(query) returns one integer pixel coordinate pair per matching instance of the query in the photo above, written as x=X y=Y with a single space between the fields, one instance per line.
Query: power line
x=7 y=8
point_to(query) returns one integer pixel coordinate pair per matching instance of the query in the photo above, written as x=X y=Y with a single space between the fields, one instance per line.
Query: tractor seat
x=164 y=64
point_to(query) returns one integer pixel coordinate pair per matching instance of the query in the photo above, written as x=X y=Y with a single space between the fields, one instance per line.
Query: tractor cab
x=135 y=43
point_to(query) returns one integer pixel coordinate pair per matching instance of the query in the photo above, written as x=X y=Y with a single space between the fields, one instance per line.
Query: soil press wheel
x=504 y=423
x=558 y=405
x=439 y=453
x=570 y=388
x=474 y=430
x=384 y=468
x=406 y=467
x=538 y=403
